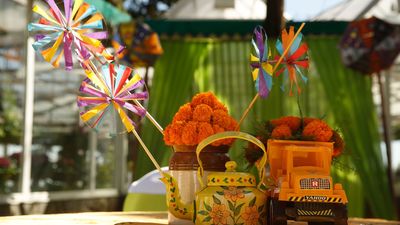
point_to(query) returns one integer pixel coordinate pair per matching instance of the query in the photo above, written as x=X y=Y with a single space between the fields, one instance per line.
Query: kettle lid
x=230 y=177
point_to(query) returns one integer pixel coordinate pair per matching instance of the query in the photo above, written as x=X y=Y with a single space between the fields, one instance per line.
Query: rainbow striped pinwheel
x=80 y=26
x=295 y=59
x=111 y=89
x=262 y=69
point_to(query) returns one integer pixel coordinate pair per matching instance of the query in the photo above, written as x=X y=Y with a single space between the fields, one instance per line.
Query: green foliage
x=10 y=118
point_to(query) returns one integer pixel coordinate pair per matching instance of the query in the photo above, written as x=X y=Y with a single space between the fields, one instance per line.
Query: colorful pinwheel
x=295 y=59
x=262 y=69
x=58 y=32
x=112 y=89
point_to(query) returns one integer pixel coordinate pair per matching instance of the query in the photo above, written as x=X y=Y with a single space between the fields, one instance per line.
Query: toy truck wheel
x=277 y=214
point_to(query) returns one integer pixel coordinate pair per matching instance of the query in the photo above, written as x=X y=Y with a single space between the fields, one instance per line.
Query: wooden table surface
x=128 y=218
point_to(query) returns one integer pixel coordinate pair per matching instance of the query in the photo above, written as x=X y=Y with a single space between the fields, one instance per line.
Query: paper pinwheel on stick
x=294 y=61
x=113 y=89
x=80 y=27
x=110 y=92
x=262 y=69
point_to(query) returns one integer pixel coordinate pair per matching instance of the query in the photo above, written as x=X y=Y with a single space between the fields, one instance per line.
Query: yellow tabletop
x=128 y=218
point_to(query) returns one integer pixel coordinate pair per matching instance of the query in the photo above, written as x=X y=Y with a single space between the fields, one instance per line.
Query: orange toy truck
x=303 y=188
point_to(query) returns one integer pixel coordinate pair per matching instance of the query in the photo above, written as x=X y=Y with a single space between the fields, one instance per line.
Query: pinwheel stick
x=246 y=112
x=153 y=160
x=148 y=115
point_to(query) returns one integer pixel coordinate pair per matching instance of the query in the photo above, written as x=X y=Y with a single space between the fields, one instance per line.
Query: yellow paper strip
x=93 y=112
x=94 y=18
x=124 y=118
x=50 y=52
x=77 y=5
x=56 y=62
x=136 y=78
x=97 y=81
x=37 y=9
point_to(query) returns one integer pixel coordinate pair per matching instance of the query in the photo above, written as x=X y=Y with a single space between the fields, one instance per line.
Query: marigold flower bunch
x=195 y=121
x=296 y=128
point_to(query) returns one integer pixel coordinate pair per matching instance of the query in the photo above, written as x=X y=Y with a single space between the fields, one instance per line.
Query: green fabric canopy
x=111 y=14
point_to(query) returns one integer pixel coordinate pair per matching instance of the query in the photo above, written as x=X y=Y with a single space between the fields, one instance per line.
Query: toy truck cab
x=303 y=188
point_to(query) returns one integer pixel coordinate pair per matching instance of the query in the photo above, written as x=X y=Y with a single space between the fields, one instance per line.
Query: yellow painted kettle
x=229 y=198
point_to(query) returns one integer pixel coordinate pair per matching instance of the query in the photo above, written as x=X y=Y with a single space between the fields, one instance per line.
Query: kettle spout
x=174 y=202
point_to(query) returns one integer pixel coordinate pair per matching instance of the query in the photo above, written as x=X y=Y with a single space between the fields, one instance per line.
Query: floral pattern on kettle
x=236 y=212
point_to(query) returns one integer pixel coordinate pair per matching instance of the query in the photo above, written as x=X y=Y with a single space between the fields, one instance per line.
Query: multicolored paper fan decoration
x=143 y=46
x=80 y=26
x=295 y=59
x=262 y=69
x=114 y=89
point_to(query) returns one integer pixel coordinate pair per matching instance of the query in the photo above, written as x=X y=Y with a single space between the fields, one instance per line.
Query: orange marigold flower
x=173 y=133
x=318 y=130
x=204 y=130
x=189 y=133
x=202 y=113
x=219 y=106
x=204 y=116
x=281 y=132
x=338 y=145
x=184 y=113
x=221 y=118
x=291 y=121
x=218 y=129
x=207 y=98
x=307 y=120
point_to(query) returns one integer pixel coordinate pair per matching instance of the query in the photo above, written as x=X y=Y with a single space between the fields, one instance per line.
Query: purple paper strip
x=88 y=89
x=68 y=52
x=39 y=37
x=97 y=35
x=121 y=48
x=126 y=92
x=56 y=10
x=262 y=86
x=133 y=108
x=67 y=10
x=86 y=102
x=137 y=96
x=259 y=40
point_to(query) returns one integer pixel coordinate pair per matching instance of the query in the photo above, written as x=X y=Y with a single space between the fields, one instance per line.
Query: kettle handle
x=225 y=135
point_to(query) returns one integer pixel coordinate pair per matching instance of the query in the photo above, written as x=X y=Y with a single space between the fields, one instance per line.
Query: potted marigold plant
x=296 y=128
x=204 y=116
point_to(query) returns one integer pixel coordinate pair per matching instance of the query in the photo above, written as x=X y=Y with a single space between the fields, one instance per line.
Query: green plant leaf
x=220 y=192
x=207 y=219
x=238 y=208
x=216 y=200
x=252 y=202
x=231 y=206
x=203 y=212
x=207 y=207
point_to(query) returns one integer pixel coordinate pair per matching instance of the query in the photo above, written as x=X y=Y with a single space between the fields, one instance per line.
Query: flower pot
x=183 y=167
